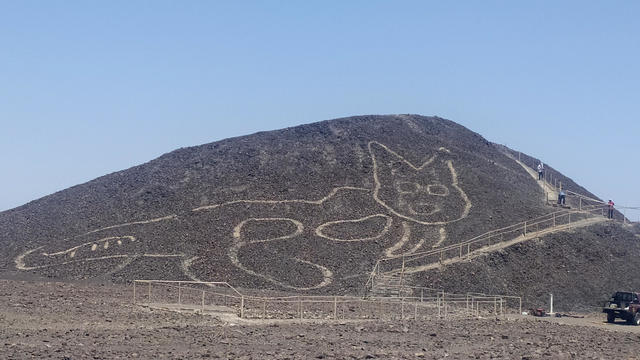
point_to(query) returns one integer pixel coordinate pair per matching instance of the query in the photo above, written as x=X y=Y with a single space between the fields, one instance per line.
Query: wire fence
x=212 y=297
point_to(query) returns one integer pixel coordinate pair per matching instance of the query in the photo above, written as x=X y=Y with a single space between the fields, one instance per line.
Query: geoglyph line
x=406 y=236
x=299 y=227
x=389 y=221
x=378 y=185
x=316 y=202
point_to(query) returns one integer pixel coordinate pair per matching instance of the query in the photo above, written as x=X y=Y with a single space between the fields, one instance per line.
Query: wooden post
x=580 y=203
x=460 y=251
x=501 y=309
x=525 y=228
x=242 y=307
x=402 y=271
x=300 y=307
x=149 y=299
x=415 y=311
x=264 y=308
x=421 y=295
x=335 y=307
x=554 y=219
x=203 y=300
x=134 y=292
x=179 y=293
x=402 y=308
x=520 y=306
x=468 y=249
x=467 y=301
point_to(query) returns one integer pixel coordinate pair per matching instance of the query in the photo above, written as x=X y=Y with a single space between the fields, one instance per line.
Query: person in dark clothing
x=540 y=171
x=562 y=198
x=611 y=204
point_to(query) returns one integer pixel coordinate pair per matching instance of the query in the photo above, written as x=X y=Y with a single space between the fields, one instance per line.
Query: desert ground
x=45 y=319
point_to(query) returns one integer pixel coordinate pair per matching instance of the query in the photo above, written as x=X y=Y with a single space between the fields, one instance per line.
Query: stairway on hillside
x=390 y=285
x=394 y=283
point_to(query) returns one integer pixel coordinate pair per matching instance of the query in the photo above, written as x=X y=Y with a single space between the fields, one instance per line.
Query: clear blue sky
x=92 y=87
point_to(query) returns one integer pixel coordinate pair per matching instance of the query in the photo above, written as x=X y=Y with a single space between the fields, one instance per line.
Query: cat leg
x=256 y=255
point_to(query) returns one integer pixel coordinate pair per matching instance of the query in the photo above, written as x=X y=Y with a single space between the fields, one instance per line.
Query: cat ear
x=386 y=161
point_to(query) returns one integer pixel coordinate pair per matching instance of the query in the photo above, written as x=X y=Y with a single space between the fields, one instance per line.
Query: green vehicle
x=623 y=305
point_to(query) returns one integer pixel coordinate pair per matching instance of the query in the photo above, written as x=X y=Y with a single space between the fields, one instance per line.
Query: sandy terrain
x=77 y=321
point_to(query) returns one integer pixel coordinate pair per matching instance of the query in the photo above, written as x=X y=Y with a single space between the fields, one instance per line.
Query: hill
x=309 y=208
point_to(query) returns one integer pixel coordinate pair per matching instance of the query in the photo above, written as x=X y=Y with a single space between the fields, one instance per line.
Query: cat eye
x=407 y=187
x=438 y=190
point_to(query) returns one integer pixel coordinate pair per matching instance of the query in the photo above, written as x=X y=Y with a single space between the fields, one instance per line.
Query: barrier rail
x=221 y=297
x=534 y=227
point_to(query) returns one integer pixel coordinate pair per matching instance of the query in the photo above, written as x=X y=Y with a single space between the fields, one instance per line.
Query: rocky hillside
x=309 y=208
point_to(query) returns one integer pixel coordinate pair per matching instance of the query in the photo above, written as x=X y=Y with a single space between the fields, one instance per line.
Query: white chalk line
x=389 y=221
x=72 y=250
x=327 y=274
x=378 y=185
x=301 y=201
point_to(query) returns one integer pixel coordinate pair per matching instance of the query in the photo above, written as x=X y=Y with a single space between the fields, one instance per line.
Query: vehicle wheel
x=611 y=317
x=636 y=319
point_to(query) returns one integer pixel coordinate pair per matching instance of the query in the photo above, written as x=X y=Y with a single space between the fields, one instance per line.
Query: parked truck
x=623 y=305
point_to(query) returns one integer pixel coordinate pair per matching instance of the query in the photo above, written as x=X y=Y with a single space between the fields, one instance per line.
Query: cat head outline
x=428 y=194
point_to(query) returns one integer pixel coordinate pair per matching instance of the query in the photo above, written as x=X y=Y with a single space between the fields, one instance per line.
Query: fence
x=221 y=297
x=408 y=263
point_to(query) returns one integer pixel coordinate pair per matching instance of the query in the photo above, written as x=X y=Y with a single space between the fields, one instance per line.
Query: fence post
x=242 y=307
x=335 y=307
x=179 y=293
x=467 y=301
x=203 y=300
x=415 y=311
x=264 y=308
x=300 y=306
x=525 y=228
x=402 y=308
x=520 y=305
x=554 y=219
x=421 y=295
x=460 y=251
x=134 y=292
x=149 y=299
x=580 y=203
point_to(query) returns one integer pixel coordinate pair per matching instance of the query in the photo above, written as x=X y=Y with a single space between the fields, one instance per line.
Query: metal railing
x=221 y=297
x=554 y=221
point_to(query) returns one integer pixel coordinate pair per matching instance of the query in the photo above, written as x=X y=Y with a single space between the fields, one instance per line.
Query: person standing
x=540 y=171
x=611 y=204
x=562 y=198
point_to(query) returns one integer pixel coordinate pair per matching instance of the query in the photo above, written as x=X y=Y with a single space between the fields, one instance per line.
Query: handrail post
x=242 y=307
x=520 y=305
x=335 y=308
x=134 y=292
x=525 y=228
x=202 y=300
x=149 y=299
x=179 y=293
